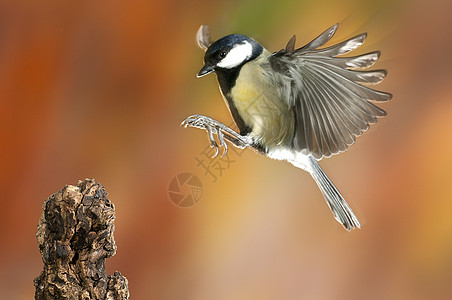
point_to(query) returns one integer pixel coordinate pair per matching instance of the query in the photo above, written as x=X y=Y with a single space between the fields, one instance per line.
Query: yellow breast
x=260 y=106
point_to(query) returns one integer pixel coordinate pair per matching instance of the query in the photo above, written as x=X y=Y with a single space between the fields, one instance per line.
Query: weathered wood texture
x=75 y=236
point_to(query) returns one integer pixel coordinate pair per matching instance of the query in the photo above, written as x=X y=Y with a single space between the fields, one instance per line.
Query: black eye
x=222 y=54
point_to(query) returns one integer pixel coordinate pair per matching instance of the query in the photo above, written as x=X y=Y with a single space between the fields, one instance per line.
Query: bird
x=298 y=105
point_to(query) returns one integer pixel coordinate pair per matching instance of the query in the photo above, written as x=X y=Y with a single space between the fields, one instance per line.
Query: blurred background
x=98 y=89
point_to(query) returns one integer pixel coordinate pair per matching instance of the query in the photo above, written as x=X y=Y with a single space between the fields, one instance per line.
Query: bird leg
x=222 y=131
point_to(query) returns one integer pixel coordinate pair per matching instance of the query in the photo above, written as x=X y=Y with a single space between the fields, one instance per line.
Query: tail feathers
x=342 y=212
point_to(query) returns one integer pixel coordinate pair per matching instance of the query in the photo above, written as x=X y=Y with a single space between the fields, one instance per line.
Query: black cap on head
x=230 y=52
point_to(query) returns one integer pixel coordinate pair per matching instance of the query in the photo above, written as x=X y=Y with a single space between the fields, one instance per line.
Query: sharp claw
x=222 y=141
x=217 y=150
x=185 y=122
x=213 y=143
x=190 y=121
x=225 y=150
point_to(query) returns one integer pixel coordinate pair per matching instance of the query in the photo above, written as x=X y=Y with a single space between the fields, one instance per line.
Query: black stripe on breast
x=227 y=79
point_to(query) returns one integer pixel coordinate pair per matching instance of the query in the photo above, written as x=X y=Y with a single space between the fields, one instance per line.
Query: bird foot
x=223 y=132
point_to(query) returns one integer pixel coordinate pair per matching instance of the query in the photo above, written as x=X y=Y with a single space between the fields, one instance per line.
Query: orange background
x=98 y=88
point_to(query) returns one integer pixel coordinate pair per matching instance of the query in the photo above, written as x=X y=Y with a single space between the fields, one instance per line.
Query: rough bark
x=75 y=236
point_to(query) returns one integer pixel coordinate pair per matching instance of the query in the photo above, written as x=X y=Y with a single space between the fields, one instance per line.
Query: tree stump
x=75 y=236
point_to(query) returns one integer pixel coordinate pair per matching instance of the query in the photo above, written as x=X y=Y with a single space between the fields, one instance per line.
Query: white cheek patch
x=236 y=56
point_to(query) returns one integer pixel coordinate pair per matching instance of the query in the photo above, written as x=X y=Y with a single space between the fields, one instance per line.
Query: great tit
x=297 y=105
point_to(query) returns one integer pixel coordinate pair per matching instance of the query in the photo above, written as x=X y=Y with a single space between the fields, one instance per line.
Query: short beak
x=205 y=70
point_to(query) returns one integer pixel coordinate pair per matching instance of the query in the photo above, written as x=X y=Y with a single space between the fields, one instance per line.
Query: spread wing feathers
x=203 y=37
x=330 y=103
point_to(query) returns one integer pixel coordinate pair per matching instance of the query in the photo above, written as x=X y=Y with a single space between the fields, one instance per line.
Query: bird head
x=229 y=52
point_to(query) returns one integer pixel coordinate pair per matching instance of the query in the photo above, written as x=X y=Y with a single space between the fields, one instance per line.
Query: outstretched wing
x=331 y=104
x=203 y=37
